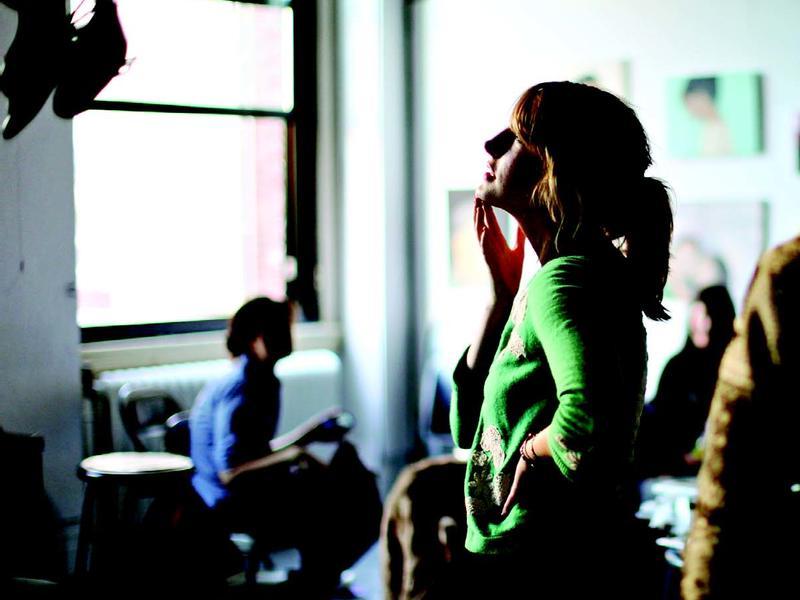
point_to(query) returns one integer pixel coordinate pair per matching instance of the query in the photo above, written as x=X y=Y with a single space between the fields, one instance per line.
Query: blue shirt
x=231 y=423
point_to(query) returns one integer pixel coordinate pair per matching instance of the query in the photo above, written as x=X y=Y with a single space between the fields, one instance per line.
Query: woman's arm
x=470 y=374
x=288 y=454
x=483 y=348
x=505 y=268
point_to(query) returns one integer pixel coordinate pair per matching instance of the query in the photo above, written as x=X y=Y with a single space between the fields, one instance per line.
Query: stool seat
x=142 y=473
x=124 y=465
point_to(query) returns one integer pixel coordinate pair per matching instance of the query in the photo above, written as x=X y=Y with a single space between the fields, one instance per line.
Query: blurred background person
x=743 y=540
x=251 y=482
x=674 y=420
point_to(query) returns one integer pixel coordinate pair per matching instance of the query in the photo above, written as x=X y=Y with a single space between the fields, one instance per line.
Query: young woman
x=675 y=419
x=248 y=484
x=548 y=397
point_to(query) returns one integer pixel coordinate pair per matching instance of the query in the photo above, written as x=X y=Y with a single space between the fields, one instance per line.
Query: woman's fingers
x=510 y=500
x=492 y=227
x=480 y=225
x=491 y=219
x=519 y=473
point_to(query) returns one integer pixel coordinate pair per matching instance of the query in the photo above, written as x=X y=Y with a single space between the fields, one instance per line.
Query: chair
x=144 y=412
x=142 y=475
x=176 y=435
x=328 y=426
x=177 y=440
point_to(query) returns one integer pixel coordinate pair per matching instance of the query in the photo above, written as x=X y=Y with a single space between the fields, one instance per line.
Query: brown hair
x=594 y=153
x=261 y=317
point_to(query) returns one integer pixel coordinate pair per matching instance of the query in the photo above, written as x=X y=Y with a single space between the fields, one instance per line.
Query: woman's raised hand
x=504 y=262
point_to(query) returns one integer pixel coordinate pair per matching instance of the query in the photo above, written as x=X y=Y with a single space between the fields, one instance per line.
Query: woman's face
x=699 y=325
x=511 y=174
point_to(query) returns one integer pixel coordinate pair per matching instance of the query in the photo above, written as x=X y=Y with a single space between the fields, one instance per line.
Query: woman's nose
x=499 y=144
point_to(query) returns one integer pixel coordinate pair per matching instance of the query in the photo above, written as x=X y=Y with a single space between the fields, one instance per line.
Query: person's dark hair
x=722 y=313
x=261 y=317
x=705 y=85
x=594 y=154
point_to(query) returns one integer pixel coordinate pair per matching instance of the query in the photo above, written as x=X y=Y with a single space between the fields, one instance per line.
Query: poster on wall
x=715 y=243
x=612 y=76
x=467 y=267
x=715 y=115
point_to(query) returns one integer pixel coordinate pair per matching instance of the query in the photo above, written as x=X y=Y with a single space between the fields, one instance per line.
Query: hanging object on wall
x=95 y=55
x=49 y=52
x=715 y=115
x=32 y=64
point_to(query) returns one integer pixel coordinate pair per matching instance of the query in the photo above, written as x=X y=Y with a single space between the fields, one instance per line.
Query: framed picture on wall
x=715 y=115
x=612 y=76
x=467 y=267
x=716 y=243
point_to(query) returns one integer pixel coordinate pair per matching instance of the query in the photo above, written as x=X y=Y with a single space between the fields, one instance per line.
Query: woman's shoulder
x=226 y=389
x=577 y=275
x=561 y=270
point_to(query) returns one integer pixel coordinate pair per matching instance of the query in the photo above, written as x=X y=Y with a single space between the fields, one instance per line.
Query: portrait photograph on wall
x=715 y=243
x=715 y=115
x=611 y=76
x=467 y=267
x=466 y=264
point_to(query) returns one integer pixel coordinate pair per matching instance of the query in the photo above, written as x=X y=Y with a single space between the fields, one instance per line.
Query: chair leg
x=251 y=565
x=84 y=531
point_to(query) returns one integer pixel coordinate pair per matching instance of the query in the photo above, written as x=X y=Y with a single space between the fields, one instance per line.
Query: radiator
x=311 y=382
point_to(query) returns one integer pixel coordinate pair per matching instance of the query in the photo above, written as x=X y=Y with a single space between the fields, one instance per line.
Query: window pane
x=178 y=217
x=205 y=53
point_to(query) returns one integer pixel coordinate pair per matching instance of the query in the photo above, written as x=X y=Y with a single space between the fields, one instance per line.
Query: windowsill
x=187 y=347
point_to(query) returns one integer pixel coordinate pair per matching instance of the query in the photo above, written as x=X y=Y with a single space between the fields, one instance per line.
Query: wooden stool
x=143 y=474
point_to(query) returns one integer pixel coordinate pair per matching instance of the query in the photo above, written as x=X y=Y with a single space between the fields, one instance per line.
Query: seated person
x=675 y=419
x=248 y=484
x=423 y=529
x=424 y=518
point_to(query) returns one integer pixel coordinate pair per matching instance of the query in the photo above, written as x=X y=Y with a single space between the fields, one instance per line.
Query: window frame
x=300 y=180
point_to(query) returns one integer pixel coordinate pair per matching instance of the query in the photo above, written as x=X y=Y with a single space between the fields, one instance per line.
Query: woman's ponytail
x=648 y=241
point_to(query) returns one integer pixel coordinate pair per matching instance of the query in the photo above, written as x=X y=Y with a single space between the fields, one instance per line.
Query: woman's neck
x=548 y=244
x=540 y=232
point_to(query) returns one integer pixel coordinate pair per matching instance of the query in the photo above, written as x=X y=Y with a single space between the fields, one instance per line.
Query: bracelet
x=530 y=459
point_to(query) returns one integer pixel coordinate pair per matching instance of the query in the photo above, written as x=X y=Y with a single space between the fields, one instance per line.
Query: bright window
x=183 y=169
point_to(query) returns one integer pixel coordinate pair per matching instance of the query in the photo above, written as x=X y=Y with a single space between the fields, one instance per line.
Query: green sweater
x=572 y=354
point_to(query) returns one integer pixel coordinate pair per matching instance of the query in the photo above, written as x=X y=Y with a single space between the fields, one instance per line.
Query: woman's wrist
x=527 y=450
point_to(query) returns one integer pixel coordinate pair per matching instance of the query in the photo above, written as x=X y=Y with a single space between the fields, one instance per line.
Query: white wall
x=39 y=358
x=474 y=58
x=373 y=226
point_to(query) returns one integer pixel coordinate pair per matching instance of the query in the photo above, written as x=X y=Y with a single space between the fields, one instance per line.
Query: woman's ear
x=258 y=349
